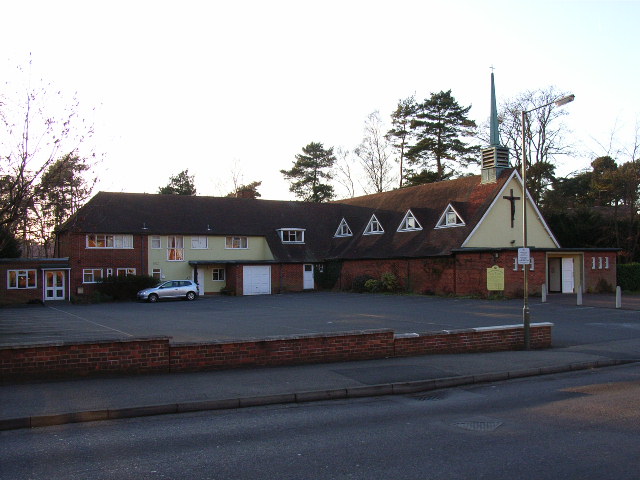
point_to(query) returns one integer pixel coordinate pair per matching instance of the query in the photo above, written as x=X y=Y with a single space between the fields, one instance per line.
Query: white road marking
x=89 y=321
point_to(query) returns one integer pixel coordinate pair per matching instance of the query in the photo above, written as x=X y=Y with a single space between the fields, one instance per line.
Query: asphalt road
x=582 y=425
x=220 y=318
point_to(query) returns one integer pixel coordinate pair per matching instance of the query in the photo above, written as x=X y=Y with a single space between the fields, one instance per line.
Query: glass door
x=54 y=285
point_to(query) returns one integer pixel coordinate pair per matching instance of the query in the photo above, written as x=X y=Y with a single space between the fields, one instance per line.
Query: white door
x=256 y=280
x=567 y=275
x=54 y=285
x=200 y=280
x=307 y=281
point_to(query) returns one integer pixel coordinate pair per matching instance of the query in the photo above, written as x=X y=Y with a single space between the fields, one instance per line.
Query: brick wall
x=287 y=277
x=73 y=245
x=158 y=355
x=597 y=268
x=9 y=296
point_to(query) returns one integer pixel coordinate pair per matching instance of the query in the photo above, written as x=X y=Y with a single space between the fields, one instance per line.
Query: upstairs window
x=236 y=242
x=291 y=235
x=155 y=242
x=409 y=223
x=175 y=248
x=450 y=218
x=109 y=241
x=343 y=230
x=199 y=243
x=373 y=227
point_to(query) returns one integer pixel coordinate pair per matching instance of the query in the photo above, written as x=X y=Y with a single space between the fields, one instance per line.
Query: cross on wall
x=512 y=199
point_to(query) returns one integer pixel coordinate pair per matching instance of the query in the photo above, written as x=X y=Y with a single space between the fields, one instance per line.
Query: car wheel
x=153 y=298
x=191 y=296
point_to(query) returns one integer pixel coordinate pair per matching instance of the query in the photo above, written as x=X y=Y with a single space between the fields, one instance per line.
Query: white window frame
x=343 y=230
x=445 y=219
x=236 y=242
x=606 y=263
x=291 y=235
x=157 y=271
x=199 y=242
x=156 y=242
x=404 y=225
x=108 y=241
x=125 y=271
x=109 y=272
x=30 y=276
x=593 y=263
x=91 y=272
x=175 y=248
x=374 y=227
x=220 y=273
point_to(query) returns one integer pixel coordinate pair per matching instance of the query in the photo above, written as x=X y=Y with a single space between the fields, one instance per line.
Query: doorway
x=54 y=285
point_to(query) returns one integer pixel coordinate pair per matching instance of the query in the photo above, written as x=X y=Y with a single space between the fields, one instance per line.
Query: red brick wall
x=593 y=276
x=25 y=295
x=158 y=355
x=462 y=274
x=287 y=277
x=73 y=245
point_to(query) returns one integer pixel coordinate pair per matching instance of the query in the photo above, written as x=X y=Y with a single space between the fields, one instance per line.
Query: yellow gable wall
x=258 y=250
x=495 y=229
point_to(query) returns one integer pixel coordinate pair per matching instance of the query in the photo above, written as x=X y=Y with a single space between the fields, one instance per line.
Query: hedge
x=629 y=276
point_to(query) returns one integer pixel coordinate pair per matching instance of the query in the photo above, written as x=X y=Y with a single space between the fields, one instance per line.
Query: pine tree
x=309 y=170
x=439 y=125
x=180 y=184
x=400 y=133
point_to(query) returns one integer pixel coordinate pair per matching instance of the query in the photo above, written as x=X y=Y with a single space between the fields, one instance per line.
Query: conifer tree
x=311 y=168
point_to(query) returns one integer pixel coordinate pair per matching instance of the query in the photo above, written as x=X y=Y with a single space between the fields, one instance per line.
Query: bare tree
x=38 y=124
x=545 y=135
x=375 y=155
x=343 y=171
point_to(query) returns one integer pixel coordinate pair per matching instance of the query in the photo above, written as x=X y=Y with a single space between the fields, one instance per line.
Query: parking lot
x=224 y=318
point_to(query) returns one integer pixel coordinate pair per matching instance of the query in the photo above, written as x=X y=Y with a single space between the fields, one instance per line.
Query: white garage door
x=256 y=280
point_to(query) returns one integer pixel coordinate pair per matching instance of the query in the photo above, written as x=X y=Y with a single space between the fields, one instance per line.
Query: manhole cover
x=478 y=426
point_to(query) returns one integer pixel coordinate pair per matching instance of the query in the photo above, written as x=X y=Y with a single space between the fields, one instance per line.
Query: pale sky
x=207 y=85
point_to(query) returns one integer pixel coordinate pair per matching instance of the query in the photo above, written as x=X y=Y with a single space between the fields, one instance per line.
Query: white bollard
x=618 y=297
x=544 y=293
x=579 y=296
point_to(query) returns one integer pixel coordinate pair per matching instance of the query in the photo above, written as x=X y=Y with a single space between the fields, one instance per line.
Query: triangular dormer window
x=450 y=218
x=373 y=227
x=409 y=223
x=343 y=230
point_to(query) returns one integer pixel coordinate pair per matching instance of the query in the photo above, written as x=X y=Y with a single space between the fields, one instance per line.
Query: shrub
x=372 y=285
x=123 y=287
x=389 y=282
x=359 y=282
x=629 y=276
x=603 y=286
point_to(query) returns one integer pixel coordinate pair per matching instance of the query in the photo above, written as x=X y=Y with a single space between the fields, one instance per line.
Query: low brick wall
x=158 y=355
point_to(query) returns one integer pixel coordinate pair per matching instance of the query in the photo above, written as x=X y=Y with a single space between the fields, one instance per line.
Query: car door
x=168 y=290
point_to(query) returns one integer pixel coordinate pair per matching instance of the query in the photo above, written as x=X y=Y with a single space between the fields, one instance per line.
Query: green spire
x=494 y=135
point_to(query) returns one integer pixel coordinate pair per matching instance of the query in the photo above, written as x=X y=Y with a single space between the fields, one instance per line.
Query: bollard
x=579 y=296
x=544 y=293
x=618 y=297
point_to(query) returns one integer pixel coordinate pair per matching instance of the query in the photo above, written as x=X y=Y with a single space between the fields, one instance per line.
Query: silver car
x=170 y=289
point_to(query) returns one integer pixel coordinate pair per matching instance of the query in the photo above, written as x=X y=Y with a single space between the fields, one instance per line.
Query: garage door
x=257 y=280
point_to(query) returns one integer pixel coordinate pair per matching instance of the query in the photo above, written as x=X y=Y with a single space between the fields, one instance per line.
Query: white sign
x=524 y=256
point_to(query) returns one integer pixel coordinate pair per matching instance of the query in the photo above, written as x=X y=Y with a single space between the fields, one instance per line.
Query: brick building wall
x=73 y=245
x=599 y=267
x=14 y=296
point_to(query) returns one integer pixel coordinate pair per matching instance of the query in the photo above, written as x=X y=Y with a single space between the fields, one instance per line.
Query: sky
x=218 y=87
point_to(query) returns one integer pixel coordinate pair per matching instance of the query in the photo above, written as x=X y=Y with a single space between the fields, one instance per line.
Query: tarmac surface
x=44 y=403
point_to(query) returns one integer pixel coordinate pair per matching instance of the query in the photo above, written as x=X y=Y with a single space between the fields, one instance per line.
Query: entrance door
x=567 y=275
x=555 y=275
x=308 y=281
x=54 y=285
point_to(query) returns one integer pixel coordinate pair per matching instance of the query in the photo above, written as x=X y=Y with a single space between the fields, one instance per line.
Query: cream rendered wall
x=495 y=229
x=257 y=250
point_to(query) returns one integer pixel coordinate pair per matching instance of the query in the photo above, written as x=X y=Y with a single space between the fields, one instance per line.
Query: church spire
x=494 y=134
x=495 y=157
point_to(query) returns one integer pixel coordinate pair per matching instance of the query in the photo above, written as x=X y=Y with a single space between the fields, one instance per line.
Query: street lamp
x=526 y=313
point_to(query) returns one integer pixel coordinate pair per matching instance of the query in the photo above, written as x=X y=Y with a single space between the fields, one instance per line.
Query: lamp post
x=526 y=313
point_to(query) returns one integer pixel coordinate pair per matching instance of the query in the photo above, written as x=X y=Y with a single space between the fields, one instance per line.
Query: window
x=125 y=271
x=91 y=275
x=606 y=263
x=343 y=230
x=291 y=235
x=175 y=248
x=21 y=279
x=217 y=275
x=198 y=243
x=374 y=227
x=450 y=218
x=109 y=241
x=155 y=242
x=593 y=263
x=236 y=242
x=409 y=223
x=109 y=272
